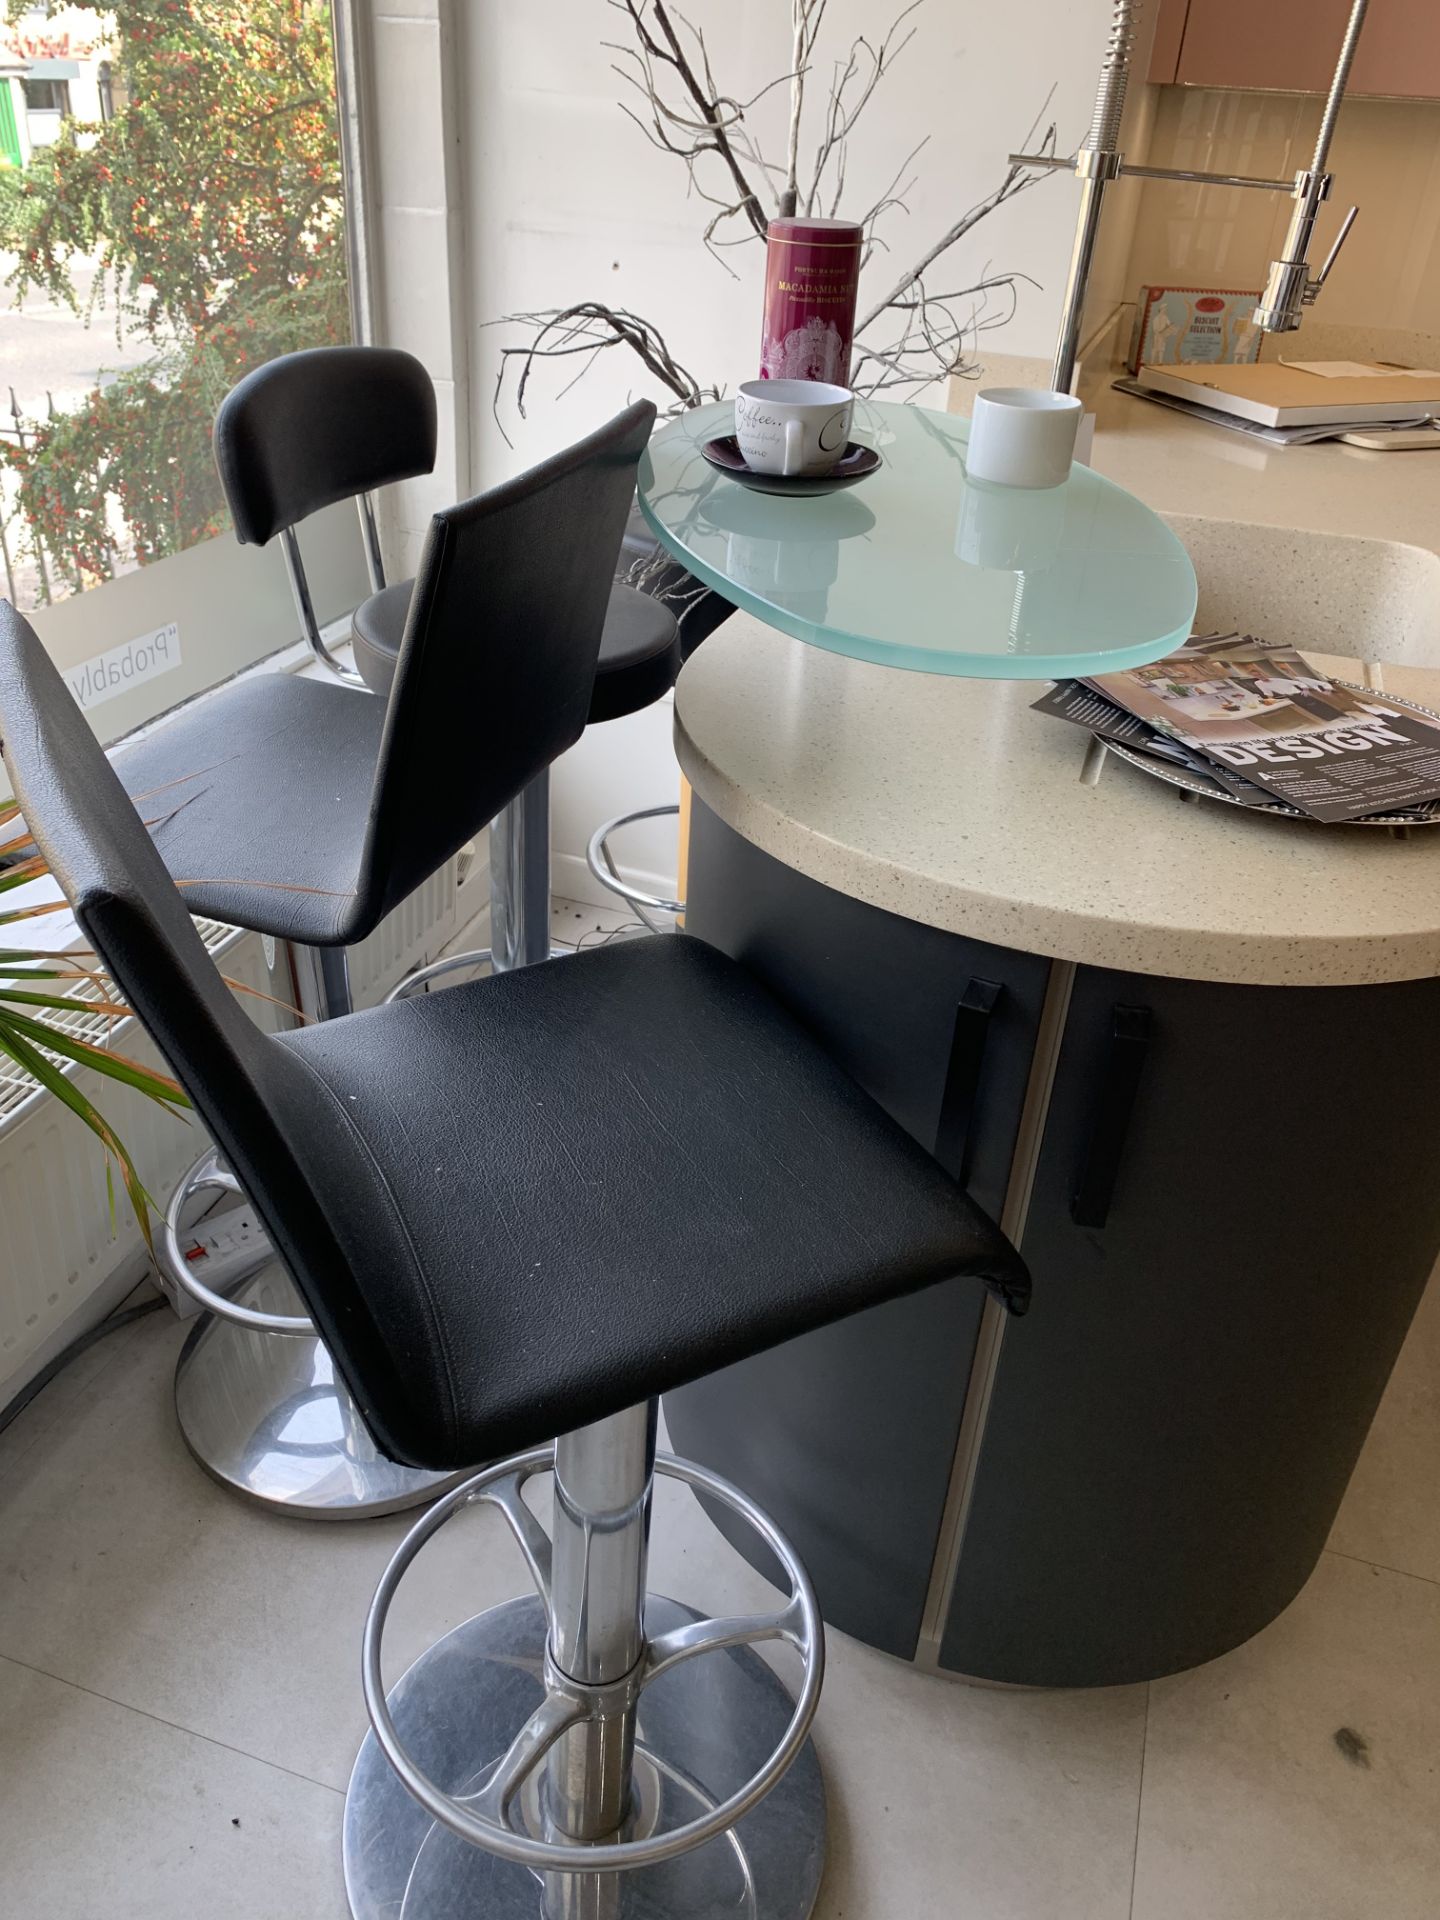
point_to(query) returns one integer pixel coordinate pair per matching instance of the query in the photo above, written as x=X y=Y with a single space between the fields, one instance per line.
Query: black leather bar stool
x=306 y=811
x=529 y=1206
x=310 y=429
x=640 y=654
x=639 y=659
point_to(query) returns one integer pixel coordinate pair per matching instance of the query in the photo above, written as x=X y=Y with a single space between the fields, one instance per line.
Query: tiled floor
x=179 y=1702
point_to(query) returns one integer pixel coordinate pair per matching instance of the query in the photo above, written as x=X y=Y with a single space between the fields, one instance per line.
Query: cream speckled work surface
x=950 y=802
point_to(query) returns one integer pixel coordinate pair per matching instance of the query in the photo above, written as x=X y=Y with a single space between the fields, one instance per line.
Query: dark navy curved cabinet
x=1229 y=1198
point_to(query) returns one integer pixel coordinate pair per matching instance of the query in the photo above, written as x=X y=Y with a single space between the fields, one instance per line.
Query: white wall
x=564 y=199
x=560 y=198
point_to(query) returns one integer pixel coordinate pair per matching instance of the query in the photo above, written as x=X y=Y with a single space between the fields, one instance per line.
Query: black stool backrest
x=133 y=916
x=494 y=678
x=312 y=428
x=498 y=659
x=241 y=1080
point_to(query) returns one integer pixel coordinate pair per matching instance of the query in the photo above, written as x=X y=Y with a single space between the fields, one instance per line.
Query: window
x=47 y=96
x=178 y=221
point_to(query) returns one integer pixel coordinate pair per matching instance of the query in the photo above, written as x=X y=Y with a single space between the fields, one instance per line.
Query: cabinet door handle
x=1125 y=1055
x=962 y=1076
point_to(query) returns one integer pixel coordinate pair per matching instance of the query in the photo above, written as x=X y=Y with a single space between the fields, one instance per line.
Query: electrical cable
x=62 y=1359
x=599 y=937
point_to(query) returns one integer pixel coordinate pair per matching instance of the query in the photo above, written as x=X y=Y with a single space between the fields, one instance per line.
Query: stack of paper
x=1259 y=723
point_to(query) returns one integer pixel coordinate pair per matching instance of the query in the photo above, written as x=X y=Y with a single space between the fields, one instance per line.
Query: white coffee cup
x=1022 y=437
x=792 y=426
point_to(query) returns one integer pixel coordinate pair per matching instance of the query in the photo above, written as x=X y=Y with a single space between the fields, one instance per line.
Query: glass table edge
x=960 y=666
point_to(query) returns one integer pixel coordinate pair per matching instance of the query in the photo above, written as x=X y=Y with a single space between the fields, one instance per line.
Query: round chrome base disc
x=264 y=1414
x=704 y=1728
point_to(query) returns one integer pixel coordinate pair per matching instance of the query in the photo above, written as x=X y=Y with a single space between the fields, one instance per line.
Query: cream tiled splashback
x=1385 y=159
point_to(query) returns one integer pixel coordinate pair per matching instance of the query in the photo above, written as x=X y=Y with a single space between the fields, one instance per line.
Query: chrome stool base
x=265 y=1415
x=705 y=1726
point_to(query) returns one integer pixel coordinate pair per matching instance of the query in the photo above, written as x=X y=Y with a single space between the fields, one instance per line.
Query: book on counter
x=1263 y=724
x=1302 y=393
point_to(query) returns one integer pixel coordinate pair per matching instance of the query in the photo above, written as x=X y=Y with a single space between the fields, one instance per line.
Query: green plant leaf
x=15 y=971
x=57 y=1082
x=16 y=996
x=40 y=963
x=115 y=1066
x=22 y=873
x=33 y=912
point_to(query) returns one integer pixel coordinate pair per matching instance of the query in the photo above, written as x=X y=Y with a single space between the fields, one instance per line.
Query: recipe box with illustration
x=1178 y=326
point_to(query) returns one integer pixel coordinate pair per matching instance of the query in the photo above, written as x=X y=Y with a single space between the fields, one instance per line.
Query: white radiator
x=63 y=1262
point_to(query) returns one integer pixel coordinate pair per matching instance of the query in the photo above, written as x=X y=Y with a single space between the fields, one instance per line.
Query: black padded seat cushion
x=639 y=655
x=593 y=1180
x=259 y=800
x=377 y=627
x=639 y=648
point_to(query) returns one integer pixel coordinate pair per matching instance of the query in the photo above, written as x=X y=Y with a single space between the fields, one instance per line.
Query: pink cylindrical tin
x=812 y=270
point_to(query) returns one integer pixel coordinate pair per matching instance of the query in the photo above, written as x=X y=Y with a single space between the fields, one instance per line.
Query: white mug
x=1022 y=437
x=792 y=426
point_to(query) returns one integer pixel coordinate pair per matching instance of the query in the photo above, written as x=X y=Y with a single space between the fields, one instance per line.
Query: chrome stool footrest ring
x=601 y=864
x=209 y=1174
x=448 y=963
x=486 y=1817
x=451 y=963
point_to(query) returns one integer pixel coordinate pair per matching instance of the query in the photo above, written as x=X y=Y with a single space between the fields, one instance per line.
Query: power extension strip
x=218 y=1249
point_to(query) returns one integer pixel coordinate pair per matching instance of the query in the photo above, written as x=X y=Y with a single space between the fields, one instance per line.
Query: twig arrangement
x=911 y=337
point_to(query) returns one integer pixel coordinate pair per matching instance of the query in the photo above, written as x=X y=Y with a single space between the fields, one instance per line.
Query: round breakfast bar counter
x=1188 y=1057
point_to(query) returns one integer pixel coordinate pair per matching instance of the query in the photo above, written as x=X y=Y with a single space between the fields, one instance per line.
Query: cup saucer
x=856 y=463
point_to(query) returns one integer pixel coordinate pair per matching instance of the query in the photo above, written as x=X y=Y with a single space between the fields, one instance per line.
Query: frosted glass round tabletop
x=917 y=566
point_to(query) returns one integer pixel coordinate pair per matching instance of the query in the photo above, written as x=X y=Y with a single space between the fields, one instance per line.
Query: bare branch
x=908 y=339
x=933 y=341
x=589 y=329
x=716 y=113
x=806 y=17
x=1017 y=180
x=894 y=194
x=841 y=117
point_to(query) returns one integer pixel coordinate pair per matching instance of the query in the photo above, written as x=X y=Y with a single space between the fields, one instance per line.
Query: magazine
x=1252 y=715
x=1073 y=700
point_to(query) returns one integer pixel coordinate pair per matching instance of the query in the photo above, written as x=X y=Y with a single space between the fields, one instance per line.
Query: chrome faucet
x=1289 y=288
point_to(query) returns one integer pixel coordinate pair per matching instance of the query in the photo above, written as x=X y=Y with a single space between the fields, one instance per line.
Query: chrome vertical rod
x=1082 y=257
x=305 y=609
x=582 y=1896
x=601 y=1535
x=323 y=977
x=370 y=535
x=1337 y=85
x=601 y=1540
x=520 y=878
x=1289 y=288
x=1097 y=163
x=334 y=973
x=300 y=592
x=1109 y=108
